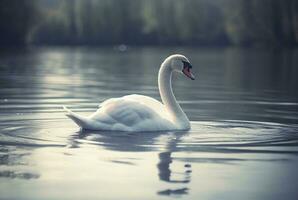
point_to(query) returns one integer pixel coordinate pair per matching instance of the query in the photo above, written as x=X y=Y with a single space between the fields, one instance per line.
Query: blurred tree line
x=16 y=20
x=149 y=22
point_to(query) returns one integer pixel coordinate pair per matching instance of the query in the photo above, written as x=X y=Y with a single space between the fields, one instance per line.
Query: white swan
x=142 y=113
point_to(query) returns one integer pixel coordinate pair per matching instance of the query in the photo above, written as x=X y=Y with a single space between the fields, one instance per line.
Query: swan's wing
x=148 y=101
x=132 y=111
x=155 y=105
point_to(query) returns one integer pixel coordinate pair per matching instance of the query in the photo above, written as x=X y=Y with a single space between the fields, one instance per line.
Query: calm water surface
x=243 y=143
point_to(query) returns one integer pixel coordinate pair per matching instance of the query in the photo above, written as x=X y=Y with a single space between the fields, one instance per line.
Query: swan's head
x=181 y=64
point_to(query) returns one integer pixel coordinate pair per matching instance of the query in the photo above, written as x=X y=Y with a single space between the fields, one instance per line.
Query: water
x=243 y=143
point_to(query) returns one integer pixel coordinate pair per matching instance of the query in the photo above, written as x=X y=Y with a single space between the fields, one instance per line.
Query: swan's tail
x=82 y=121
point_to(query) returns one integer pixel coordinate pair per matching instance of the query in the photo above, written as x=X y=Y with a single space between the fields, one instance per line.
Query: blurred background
x=149 y=22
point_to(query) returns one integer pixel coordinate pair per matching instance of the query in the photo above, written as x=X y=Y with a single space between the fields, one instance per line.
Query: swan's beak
x=186 y=71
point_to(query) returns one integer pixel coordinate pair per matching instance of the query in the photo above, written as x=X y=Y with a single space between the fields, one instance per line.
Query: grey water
x=243 y=108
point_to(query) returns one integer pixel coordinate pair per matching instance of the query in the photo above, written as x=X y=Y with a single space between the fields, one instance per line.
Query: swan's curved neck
x=167 y=96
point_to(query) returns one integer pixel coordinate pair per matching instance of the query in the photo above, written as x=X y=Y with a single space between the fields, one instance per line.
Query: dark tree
x=16 y=20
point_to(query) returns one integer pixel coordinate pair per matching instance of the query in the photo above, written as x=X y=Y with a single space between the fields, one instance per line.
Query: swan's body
x=138 y=112
x=127 y=113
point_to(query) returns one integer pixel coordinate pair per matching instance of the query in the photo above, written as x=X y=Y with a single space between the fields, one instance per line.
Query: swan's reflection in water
x=165 y=143
x=165 y=172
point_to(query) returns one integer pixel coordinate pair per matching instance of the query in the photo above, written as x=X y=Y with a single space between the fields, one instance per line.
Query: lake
x=243 y=108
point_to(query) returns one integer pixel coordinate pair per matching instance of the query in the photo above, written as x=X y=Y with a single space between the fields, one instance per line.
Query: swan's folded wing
x=155 y=105
x=131 y=111
x=148 y=102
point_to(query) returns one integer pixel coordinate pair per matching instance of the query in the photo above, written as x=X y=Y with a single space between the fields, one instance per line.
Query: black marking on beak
x=186 y=65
